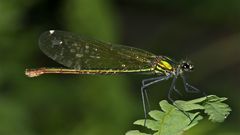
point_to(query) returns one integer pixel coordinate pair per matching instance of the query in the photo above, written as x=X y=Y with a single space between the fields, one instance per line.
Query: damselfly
x=83 y=55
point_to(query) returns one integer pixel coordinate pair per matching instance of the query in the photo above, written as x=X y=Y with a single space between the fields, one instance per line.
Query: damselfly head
x=186 y=66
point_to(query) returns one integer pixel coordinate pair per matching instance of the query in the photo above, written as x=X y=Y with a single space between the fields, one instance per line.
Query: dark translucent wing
x=78 y=52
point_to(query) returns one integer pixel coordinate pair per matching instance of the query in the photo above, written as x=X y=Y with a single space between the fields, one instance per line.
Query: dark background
x=206 y=32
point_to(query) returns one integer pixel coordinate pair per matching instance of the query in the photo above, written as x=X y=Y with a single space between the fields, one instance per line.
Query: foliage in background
x=183 y=115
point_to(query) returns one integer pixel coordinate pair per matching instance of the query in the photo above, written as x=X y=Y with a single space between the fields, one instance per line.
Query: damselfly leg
x=191 y=89
x=171 y=90
x=145 y=84
x=177 y=91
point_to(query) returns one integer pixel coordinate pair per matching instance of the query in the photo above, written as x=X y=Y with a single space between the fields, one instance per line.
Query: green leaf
x=198 y=100
x=135 y=132
x=157 y=115
x=195 y=120
x=176 y=118
x=214 y=98
x=166 y=106
x=151 y=124
x=170 y=121
x=188 y=106
x=217 y=111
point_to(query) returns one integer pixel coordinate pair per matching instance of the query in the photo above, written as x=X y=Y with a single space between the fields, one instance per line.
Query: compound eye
x=186 y=66
x=191 y=67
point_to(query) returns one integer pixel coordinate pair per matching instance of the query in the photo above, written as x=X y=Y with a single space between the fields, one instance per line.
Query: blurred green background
x=206 y=31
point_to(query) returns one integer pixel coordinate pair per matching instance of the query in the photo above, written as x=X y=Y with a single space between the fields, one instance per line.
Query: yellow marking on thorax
x=159 y=70
x=165 y=65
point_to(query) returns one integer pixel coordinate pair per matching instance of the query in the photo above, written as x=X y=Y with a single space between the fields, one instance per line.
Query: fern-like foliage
x=174 y=119
x=217 y=110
